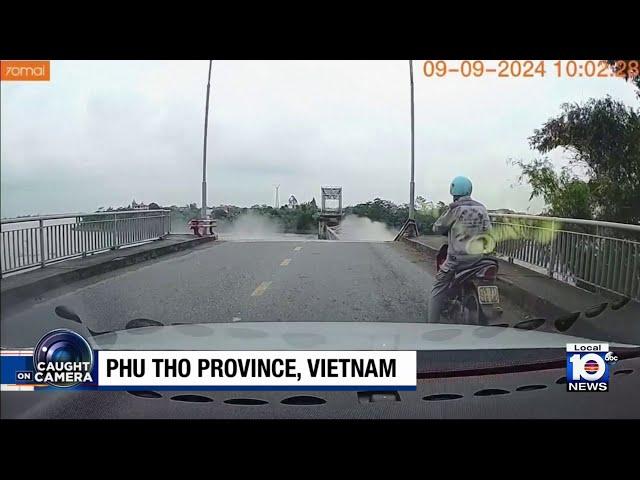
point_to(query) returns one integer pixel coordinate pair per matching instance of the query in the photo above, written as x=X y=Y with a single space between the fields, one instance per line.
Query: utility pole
x=410 y=227
x=277 y=197
x=412 y=185
x=203 y=212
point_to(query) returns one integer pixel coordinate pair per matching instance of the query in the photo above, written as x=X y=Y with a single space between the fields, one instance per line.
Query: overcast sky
x=102 y=133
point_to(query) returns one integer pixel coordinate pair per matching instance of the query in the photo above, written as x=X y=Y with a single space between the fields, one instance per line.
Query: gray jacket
x=466 y=222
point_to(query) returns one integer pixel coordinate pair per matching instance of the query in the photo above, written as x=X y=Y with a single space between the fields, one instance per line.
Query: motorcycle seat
x=473 y=269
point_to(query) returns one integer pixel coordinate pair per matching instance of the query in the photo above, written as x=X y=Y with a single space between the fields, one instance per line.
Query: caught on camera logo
x=588 y=366
x=62 y=358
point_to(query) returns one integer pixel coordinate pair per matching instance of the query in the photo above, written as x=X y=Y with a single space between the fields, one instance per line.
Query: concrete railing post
x=552 y=253
x=115 y=231
x=41 y=228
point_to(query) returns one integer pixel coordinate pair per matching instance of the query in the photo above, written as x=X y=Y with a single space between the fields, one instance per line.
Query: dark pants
x=439 y=294
x=439 y=291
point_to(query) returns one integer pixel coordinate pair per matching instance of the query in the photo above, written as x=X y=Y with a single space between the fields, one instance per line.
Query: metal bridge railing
x=604 y=255
x=333 y=233
x=30 y=242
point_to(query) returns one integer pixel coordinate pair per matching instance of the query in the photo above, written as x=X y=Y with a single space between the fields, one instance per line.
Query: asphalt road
x=245 y=281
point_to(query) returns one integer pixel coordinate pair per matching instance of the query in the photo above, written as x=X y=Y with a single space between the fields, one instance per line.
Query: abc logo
x=589 y=366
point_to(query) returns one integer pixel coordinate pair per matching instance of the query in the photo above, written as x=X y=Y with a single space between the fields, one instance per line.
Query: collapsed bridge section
x=330 y=213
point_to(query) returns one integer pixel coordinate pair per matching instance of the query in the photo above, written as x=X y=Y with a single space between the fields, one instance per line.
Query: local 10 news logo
x=588 y=366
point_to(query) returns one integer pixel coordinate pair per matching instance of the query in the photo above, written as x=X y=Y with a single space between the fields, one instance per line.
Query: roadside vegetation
x=602 y=140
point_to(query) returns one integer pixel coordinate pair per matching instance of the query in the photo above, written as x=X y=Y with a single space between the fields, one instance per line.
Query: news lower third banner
x=79 y=367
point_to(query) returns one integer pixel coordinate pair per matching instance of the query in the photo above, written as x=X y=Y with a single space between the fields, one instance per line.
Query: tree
x=628 y=70
x=565 y=195
x=603 y=137
x=427 y=208
x=305 y=221
x=393 y=215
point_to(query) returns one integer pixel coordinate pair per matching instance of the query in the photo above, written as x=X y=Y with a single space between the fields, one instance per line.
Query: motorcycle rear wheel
x=471 y=310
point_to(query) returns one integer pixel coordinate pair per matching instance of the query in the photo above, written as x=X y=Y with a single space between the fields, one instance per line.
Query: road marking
x=285 y=262
x=297 y=249
x=260 y=289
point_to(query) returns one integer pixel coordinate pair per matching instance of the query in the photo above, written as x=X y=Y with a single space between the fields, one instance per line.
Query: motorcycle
x=473 y=297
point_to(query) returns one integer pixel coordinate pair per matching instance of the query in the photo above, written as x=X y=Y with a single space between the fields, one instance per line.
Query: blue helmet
x=460 y=187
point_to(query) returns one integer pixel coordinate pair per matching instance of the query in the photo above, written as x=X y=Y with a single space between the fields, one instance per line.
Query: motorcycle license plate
x=488 y=294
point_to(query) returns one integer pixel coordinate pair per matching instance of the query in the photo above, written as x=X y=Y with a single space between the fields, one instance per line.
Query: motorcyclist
x=465 y=222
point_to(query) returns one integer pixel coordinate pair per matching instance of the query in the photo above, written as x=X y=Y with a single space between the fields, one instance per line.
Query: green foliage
x=182 y=215
x=603 y=137
x=382 y=211
x=628 y=76
x=304 y=217
x=301 y=219
x=565 y=194
x=394 y=216
x=305 y=222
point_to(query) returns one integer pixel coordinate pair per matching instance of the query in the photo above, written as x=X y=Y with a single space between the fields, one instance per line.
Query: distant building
x=503 y=211
x=293 y=201
x=139 y=206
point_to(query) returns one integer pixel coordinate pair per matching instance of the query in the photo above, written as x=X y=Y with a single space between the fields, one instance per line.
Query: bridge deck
x=305 y=280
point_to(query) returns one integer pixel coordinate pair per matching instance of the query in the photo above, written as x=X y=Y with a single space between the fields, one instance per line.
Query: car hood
x=329 y=336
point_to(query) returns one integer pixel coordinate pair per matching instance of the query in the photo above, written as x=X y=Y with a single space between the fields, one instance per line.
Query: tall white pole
x=203 y=212
x=412 y=184
x=410 y=228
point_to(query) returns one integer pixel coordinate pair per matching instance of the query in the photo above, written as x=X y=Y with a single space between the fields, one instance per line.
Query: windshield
x=424 y=205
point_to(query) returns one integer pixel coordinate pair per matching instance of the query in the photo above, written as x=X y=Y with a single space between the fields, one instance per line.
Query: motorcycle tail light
x=488 y=273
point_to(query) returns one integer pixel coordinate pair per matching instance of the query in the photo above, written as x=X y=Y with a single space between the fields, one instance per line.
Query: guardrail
x=30 y=242
x=585 y=253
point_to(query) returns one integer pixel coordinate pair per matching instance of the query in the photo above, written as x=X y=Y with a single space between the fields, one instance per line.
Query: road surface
x=245 y=281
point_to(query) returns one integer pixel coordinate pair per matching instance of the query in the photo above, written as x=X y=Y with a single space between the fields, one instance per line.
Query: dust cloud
x=362 y=228
x=179 y=226
x=251 y=226
x=254 y=226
